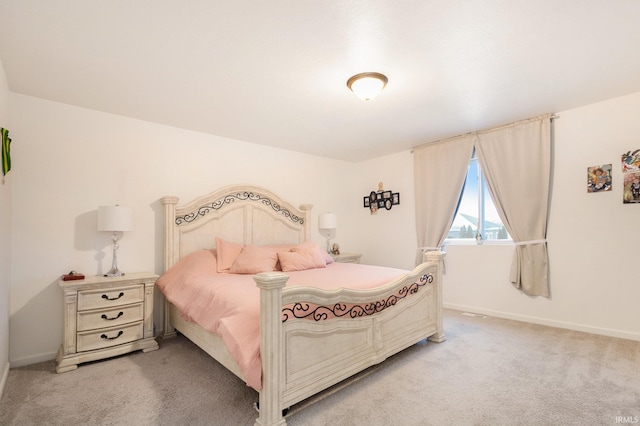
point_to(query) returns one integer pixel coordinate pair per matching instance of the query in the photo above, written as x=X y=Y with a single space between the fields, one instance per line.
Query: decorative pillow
x=300 y=259
x=255 y=259
x=327 y=257
x=227 y=253
x=279 y=248
x=307 y=244
x=310 y=244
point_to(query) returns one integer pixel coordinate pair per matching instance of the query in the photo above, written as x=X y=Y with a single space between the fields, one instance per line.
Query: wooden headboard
x=239 y=213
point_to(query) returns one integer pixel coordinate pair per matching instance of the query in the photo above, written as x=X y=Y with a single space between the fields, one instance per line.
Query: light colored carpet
x=490 y=371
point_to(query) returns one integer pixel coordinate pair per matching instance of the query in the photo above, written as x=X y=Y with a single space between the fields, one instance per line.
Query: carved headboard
x=240 y=213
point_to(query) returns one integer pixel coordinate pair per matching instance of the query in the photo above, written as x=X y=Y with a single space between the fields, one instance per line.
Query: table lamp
x=115 y=219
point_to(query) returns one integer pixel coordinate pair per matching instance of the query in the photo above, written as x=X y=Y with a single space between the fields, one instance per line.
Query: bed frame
x=310 y=339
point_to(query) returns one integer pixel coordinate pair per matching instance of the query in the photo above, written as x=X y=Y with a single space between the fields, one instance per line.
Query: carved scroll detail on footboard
x=311 y=311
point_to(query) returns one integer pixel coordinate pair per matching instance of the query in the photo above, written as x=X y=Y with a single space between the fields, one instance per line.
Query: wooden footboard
x=312 y=339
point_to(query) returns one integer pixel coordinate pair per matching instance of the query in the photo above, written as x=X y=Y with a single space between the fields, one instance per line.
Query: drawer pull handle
x=104 y=316
x=104 y=336
x=104 y=296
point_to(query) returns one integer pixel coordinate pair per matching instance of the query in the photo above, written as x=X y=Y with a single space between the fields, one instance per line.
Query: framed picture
x=380 y=200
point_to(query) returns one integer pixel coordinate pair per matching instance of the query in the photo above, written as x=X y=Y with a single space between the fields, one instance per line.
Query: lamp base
x=114 y=273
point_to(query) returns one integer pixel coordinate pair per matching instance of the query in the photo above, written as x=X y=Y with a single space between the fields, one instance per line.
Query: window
x=477 y=218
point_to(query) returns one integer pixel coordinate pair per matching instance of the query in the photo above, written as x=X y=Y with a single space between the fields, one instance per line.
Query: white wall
x=592 y=238
x=69 y=160
x=5 y=240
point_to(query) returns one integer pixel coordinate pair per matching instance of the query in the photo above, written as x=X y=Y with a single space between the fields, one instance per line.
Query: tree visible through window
x=477 y=217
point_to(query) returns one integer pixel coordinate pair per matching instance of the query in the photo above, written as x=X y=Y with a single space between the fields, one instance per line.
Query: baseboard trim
x=545 y=321
x=3 y=382
x=21 y=362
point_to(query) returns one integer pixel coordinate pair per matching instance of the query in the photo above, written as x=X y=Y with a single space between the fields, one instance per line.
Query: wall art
x=631 y=161
x=599 y=178
x=631 y=193
x=380 y=199
x=631 y=177
x=6 y=152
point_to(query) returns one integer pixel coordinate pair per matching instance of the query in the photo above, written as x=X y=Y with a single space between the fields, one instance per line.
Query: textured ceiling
x=274 y=73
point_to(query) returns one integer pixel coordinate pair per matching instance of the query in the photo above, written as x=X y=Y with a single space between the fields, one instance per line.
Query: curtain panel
x=516 y=163
x=440 y=170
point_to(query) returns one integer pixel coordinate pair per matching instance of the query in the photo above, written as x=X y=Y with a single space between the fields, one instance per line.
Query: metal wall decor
x=380 y=199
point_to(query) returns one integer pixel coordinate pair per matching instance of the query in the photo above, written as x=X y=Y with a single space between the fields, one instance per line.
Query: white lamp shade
x=115 y=218
x=328 y=221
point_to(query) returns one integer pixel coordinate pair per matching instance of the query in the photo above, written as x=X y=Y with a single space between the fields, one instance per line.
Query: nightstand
x=105 y=317
x=347 y=257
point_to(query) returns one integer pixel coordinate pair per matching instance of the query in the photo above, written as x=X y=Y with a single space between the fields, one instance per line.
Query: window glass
x=477 y=218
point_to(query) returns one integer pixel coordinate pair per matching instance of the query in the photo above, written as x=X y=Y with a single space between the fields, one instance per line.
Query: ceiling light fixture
x=367 y=85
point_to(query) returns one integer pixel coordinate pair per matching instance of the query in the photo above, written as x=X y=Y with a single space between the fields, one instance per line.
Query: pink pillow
x=255 y=259
x=327 y=257
x=227 y=254
x=300 y=259
x=307 y=244
x=279 y=248
x=310 y=244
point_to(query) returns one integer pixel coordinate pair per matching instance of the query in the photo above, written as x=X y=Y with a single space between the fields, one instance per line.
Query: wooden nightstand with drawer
x=105 y=317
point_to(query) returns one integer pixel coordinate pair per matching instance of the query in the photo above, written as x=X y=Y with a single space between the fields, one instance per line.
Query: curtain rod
x=551 y=116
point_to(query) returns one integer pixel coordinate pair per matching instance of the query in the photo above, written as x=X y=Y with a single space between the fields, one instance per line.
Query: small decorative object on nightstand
x=105 y=317
x=347 y=257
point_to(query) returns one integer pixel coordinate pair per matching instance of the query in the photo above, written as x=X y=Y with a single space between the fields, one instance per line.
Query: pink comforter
x=229 y=304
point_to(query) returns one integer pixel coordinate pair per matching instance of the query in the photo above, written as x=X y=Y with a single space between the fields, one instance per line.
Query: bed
x=308 y=338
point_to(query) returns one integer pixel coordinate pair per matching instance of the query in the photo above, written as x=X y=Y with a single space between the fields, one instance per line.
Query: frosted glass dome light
x=367 y=85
